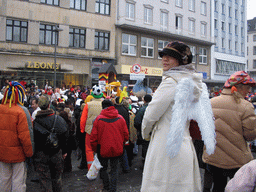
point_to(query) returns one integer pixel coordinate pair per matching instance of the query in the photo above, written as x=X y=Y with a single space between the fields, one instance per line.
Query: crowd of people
x=45 y=125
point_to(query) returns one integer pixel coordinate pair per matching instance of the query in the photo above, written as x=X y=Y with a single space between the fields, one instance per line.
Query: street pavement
x=77 y=181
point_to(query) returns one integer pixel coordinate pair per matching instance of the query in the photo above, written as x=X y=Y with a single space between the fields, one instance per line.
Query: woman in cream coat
x=181 y=172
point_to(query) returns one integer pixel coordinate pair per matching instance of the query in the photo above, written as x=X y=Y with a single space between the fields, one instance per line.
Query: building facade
x=84 y=33
x=251 y=47
x=144 y=27
x=229 y=30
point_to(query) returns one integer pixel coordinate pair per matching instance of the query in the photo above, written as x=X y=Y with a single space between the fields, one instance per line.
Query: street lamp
x=57 y=29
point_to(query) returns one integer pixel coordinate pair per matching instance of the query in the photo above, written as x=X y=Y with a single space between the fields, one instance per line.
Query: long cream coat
x=161 y=173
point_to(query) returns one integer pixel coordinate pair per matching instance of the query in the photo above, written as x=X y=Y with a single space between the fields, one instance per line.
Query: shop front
x=153 y=75
x=69 y=72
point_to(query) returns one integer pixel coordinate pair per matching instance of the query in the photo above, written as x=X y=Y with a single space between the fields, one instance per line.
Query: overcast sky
x=251 y=9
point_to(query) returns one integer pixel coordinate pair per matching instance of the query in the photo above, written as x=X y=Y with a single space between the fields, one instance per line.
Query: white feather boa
x=186 y=108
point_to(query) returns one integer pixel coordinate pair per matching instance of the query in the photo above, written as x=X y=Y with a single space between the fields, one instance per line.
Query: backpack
x=52 y=141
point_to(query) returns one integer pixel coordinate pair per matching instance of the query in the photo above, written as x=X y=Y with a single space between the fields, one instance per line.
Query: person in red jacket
x=109 y=133
x=16 y=139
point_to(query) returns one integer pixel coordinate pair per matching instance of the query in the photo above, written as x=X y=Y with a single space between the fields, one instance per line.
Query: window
x=102 y=7
x=130 y=11
x=242 y=31
x=102 y=40
x=236 y=46
x=203 y=29
x=223 y=8
x=164 y=20
x=191 y=25
x=229 y=27
x=161 y=45
x=178 y=22
x=254 y=50
x=215 y=24
x=148 y=15
x=193 y=51
x=254 y=38
x=242 y=47
x=229 y=11
x=203 y=8
x=76 y=37
x=147 y=47
x=47 y=34
x=191 y=5
x=178 y=3
x=202 y=56
x=236 y=29
x=236 y=14
x=229 y=44
x=216 y=6
x=16 y=30
x=242 y=16
x=165 y=1
x=223 y=26
x=227 y=67
x=254 y=64
x=222 y=43
x=51 y=2
x=129 y=44
x=78 y=4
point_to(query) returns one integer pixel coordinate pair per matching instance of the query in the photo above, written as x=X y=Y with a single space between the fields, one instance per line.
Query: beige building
x=85 y=31
x=251 y=47
x=144 y=27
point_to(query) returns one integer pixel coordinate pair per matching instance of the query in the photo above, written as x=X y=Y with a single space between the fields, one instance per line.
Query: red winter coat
x=110 y=132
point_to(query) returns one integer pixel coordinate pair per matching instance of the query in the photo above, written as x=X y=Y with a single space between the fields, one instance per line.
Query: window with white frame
x=254 y=64
x=254 y=38
x=148 y=15
x=222 y=43
x=229 y=44
x=236 y=46
x=229 y=27
x=130 y=10
x=215 y=24
x=242 y=31
x=223 y=8
x=203 y=8
x=161 y=45
x=191 y=5
x=193 y=51
x=178 y=22
x=216 y=6
x=203 y=29
x=164 y=20
x=242 y=16
x=178 y=3
x=147 y=47
x=191 y=25
x=242 y=47
x=223 y=26
x=236 y=14
x=129 y=44
x=254 y=50
x=236 y=32
x=229 y=11
x=78 y=4
x=202 y=56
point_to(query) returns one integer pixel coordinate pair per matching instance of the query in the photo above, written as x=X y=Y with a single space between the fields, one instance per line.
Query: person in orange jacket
x=91 y=110
x=16 y=142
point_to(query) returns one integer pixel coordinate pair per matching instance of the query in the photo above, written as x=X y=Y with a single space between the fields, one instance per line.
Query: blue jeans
x=109 y=185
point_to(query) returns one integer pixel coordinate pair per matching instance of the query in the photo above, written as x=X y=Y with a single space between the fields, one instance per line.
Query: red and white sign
x=136 y=68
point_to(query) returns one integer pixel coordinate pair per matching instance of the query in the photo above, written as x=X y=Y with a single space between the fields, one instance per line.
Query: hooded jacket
x=109 y=133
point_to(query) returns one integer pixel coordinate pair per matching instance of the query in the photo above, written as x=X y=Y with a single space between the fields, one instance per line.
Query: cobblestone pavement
x=77 y=180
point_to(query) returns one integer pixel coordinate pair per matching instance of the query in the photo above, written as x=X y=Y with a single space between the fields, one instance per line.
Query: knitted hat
x=179 y=51
x=97 y=92
x=239 y=77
